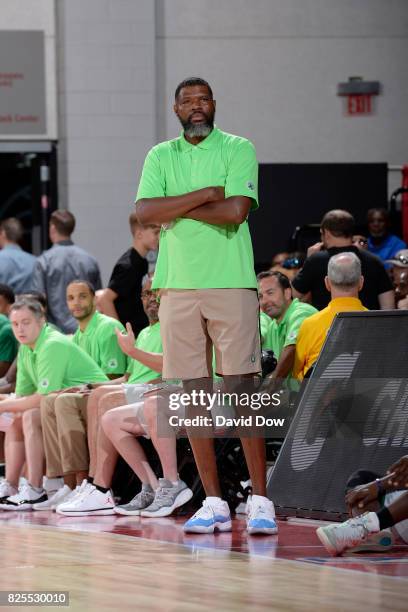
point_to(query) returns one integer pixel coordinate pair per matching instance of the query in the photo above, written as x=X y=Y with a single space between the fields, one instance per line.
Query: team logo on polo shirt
x=112 y=363
x=44 y=383
x=250 y=185
x=292 y=335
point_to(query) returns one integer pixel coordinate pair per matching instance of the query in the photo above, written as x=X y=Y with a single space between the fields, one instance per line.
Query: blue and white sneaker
x=213 y=515
x=261 y=516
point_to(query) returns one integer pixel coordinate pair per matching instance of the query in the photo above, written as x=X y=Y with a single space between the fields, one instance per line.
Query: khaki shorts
x=192 y=321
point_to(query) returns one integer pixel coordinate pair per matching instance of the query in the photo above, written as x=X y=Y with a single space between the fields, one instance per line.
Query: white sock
x=259 y=499
x=214 y=501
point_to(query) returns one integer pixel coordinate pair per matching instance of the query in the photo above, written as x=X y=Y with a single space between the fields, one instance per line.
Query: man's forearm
x=154 y=361
x=223 y=212
x=166 y=209
x=285 y=362
x=21 y=404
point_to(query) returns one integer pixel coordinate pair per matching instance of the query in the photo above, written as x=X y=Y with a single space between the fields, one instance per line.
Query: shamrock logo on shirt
x=44 y=383
x=250 y=185
x=112 y=363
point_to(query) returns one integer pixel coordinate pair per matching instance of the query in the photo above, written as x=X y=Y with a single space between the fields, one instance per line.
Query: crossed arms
x=208 y=204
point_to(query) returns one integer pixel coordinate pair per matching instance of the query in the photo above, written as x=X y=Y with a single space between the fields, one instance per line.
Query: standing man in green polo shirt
x=286 y=316
x=201 y=187
x=47 y=362
x=64 y=416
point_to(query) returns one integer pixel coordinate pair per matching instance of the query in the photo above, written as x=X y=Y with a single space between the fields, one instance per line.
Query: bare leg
x=107 y=455
x=34 y=446
x=92 y=422
x=203 y=447
x=254 y=448
x=14 y=451
x=121 y=426
x=165 y=446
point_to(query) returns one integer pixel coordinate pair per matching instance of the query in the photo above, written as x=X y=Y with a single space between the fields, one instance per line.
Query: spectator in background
x=286 y=316
x=344 y=281
x=121 y=299
x=8 y=343
x=360 y=241
x=399 y=275
x=380 y=241
x=279 y=258
x=61 y=264
x=16 y=266
x=336 y=230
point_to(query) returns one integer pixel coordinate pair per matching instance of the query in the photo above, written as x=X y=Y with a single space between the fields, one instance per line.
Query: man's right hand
x=362 y=495
x=315 y=248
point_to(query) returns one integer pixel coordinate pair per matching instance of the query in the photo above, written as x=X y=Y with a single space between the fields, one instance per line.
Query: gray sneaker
x=168 y=497
x=140 y=501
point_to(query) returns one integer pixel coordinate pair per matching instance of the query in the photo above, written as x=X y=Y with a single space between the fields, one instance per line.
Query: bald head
x=344 y=275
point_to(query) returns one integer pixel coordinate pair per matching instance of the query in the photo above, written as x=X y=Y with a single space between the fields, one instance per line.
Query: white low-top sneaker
x=52 y=502
x=6 y=490
x=91 y=502
x=77 y=492
x=26 y=497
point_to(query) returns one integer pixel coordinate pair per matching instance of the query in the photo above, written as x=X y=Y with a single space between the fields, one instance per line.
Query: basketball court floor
x=128 y=563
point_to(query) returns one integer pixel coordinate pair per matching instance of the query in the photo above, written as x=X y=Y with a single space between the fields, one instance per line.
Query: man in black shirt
x=122 y=299
x=336 y=230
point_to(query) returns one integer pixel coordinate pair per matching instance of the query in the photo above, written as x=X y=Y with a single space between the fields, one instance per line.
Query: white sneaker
x=26 y=497
x=6 y=490
x=90 y=503
x=79 y=490
x=261 y=516
x=213 y=515
x=52 y=502
x=342 y=536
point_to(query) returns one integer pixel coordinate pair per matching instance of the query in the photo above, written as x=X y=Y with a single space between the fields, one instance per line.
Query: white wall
x=107 y=116
x=274 y=66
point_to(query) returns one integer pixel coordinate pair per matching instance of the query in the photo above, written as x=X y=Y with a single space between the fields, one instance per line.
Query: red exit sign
x=359 y=104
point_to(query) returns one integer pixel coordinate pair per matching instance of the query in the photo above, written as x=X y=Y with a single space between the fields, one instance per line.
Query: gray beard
x=198 y=130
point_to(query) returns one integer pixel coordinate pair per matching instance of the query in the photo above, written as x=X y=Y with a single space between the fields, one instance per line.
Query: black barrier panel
x=353 y=415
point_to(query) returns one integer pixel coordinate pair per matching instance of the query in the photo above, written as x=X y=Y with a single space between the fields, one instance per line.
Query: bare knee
x=31 y=419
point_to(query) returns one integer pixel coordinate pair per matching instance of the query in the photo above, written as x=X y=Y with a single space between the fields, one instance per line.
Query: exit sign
x=359 y=104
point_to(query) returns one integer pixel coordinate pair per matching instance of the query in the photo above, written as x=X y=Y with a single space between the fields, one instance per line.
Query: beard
x=198 y=130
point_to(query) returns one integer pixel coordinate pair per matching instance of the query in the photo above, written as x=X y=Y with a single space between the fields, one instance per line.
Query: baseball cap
x=400 y=259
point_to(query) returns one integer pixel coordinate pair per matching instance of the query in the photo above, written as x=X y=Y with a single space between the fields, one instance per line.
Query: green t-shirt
x=279 y=335
x=100 y=342
x=148 y=340
x=55 y=363
x=194 y=254
x=8 y=342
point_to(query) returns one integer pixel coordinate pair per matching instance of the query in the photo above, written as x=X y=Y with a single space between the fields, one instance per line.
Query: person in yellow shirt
x=344 y=281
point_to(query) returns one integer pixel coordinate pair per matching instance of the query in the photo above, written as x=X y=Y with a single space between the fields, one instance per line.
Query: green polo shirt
x=285 y=333
x=193 y=254
x=100 y=342
x=55 y=363
x=148 y=340
x=8 y=342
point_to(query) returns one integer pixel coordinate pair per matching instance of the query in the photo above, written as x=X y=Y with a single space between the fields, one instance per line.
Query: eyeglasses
x=291 y=263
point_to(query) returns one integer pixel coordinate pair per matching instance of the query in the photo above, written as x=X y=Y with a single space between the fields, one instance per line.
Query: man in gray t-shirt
x=61 y=264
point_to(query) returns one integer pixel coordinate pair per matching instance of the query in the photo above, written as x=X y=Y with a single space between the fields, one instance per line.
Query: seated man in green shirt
x=48 y=362
x=145 y=367
x=64 y=416
x=285 y=318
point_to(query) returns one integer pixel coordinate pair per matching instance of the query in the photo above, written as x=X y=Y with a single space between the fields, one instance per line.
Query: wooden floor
x=115 y=563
